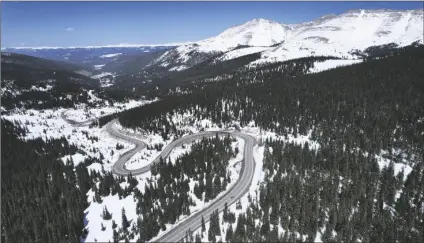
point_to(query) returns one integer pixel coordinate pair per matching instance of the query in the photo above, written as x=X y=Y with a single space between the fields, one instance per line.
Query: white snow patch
x=111 y=55
x=330 y=64
x=76 y=158
x=179 y=68
x=83 y=112
x=398 y=167
x=114 y=205
x=98 y=67
x=103 y=74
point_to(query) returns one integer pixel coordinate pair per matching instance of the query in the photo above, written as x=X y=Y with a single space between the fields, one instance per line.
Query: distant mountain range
x=345 y=36
x=89 y=57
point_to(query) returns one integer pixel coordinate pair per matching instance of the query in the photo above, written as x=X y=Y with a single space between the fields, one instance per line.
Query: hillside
x=331 y=137
x=367 y=122
x=30 y=82
x=88 y=57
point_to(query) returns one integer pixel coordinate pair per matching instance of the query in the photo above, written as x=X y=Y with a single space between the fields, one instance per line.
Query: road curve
x=231 y=196
x=75 y=123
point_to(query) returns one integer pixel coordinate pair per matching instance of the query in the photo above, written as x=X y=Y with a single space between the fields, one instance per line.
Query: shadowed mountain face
x=8 y=59
x=33 y=82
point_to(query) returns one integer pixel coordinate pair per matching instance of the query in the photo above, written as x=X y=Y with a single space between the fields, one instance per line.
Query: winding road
x=75 y=123
x=193 y=222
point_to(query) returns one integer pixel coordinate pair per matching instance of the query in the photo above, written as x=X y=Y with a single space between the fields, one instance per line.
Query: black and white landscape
x=267 y=132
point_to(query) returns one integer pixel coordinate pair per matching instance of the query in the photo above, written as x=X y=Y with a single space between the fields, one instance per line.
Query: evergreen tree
x=106 y=215
x=203 y=225
x=229 y=234
x=198 y=239
x=125 y=223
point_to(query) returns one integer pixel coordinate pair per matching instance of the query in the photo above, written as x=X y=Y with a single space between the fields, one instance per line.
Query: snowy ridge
x=257 y=32
x=241 y=52
x=329 y=35
x=339 y=35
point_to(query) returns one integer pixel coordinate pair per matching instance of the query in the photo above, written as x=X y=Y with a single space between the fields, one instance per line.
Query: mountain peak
x=256 y=32
x=261 y=20
x=328 y=35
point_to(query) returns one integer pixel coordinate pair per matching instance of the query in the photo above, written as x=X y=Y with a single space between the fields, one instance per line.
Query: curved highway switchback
x=193 y=222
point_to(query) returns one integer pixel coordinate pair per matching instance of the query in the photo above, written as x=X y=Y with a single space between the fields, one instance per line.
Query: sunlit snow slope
x=330 y=35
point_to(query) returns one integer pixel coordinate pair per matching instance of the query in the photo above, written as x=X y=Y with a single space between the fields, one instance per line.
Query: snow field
x=330 y=64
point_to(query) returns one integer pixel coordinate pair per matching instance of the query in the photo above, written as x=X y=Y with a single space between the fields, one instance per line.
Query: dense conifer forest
x=366 y=105
x=354 y=113
x=43 y=199
x=65 y=87
x=307 y=192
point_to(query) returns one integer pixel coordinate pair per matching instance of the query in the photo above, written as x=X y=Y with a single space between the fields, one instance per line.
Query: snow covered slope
x=330 y=35
x=257 y=32
x=340 y=35
x=239 y=52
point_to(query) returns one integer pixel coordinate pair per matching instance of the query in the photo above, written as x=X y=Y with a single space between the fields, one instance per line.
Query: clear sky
x=108 y=23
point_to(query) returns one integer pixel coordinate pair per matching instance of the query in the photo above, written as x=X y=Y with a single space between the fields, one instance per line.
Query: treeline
x=293 y=67
x=364 y=104
x=386 y=50
x=193 y=79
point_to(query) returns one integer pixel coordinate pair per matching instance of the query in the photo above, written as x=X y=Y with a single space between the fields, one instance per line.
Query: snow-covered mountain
x=330 y=35
x=355 y=30
x=257 y=32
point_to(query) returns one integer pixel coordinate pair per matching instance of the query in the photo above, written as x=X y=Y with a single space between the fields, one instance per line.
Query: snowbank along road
x=232 y=195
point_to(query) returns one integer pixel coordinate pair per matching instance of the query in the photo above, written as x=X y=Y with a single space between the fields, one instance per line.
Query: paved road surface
x=192 y=223
x=75 y=123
